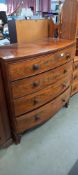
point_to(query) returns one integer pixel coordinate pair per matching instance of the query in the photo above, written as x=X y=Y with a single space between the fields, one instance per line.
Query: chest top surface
x=49 y=45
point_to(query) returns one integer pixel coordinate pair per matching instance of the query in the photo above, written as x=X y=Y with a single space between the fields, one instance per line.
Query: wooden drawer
x=33 y=84
x=31 y=102
x=27 y=68
x=42 y=114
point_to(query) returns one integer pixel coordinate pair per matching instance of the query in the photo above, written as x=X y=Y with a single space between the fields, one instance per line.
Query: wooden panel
x=42 y=114
x=12 y=31
x=31 y=102
x=69 y=18
x=22 y=69
x=31 y=30
x=38 y=82
x=2 y=133
x=53 y=28
x=5 y=134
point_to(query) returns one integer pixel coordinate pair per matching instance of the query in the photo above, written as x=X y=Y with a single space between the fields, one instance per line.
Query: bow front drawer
x=31 y=102
x=42 y=114
x=33 y=84
x=36 y=65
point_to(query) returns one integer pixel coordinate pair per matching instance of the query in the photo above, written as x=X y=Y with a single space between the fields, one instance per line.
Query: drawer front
x=31 y=102
x=42 y=114
x=27 y=86
x=27 y=68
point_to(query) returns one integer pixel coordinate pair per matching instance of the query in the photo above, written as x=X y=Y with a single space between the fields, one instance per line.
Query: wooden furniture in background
x=5 y=134
x=69 y=18
x=70 y=31
x=12 y=31
x=27 y=31
x=37 y=78
x=54 y=28
x=31 y=30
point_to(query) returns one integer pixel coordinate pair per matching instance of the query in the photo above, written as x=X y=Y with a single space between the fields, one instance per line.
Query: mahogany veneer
x=5 y=134
x=37 y=79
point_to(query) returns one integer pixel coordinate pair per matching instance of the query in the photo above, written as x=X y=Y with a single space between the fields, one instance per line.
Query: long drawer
x=31 y=102
x=29 y=67
x=42 y=114
x=27 y=86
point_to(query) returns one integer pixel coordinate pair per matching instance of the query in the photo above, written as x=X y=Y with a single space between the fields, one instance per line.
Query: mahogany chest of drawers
x=37 y=79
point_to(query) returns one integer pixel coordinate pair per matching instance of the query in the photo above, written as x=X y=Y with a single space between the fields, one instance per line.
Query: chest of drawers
x=37 y=82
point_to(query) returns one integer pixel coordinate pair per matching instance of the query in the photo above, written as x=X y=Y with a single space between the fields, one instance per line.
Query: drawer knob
x=36 y=67
x=65 y=71
x=64 y=85
x=36 y=101
x=35 y=84
x=63 y=100
x=68 y=56
x=37 y=117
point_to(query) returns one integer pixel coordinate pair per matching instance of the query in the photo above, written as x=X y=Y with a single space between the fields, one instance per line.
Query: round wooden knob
x=65 y=71
x=36 y=67
x=63 y=100
x=68 y=56
x=35 y=84
x=64 y=85
x=37 y=117
x=36 y=101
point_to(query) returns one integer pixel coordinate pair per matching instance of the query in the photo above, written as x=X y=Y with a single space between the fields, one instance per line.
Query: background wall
x=39 y=5
x=45 y=5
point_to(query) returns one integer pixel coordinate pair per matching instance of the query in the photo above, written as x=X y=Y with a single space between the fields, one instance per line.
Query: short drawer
x=42 y=114
x=34 y=66
x=31 y=102
x=33 y=84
